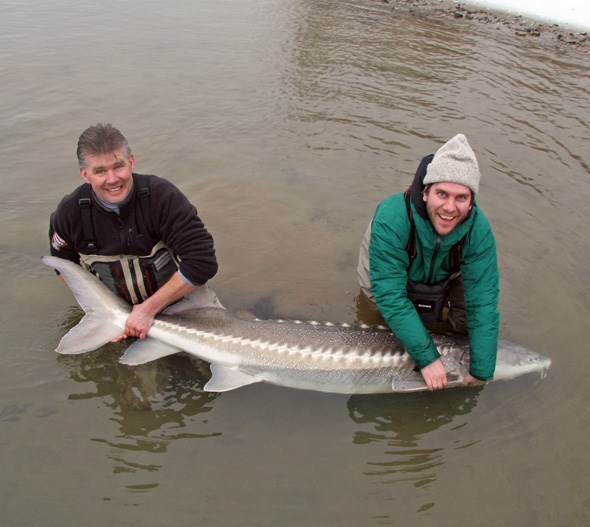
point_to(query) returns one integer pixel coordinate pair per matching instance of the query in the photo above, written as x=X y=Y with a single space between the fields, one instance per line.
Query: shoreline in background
x=559 y=36
x=573 y=14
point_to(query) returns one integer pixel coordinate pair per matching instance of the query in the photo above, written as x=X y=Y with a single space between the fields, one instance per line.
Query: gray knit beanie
x=454 y=162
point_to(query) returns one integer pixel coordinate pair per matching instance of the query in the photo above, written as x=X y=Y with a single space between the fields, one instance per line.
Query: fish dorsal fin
x=201 y=296
x=225 y=378
x=147 y=350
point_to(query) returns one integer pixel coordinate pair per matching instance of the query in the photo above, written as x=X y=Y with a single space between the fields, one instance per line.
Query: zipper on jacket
x=124 y=237
x=434 y=255
x=130 y=243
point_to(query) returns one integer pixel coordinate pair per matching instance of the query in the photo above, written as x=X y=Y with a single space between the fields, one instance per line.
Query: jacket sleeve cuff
x=483 y=378
x=184 y=278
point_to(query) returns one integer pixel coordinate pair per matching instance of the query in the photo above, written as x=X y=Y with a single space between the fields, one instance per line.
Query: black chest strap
x=85 y=204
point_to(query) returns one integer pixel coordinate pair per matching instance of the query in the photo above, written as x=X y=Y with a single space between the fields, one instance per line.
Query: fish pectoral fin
x=454 y=379
x=408 y=385
x=90 y=333
x=147 y=350
x=225 y=378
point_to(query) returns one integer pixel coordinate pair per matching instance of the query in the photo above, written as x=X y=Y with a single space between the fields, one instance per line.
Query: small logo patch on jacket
x=57 y=242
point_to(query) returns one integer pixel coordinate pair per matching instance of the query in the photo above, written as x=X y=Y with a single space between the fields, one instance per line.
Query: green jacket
x=390 y=270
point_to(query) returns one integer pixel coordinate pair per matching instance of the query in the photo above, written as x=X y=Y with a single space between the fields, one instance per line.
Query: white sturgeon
x=337 y=358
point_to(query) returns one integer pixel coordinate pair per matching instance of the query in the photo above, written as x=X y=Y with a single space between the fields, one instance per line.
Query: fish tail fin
x=91 y=333
x=105 y=312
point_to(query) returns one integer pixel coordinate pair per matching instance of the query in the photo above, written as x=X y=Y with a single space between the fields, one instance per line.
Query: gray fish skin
x=336 y=358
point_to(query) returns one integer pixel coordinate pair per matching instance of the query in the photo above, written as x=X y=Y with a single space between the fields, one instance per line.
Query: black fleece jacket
x=173 y=219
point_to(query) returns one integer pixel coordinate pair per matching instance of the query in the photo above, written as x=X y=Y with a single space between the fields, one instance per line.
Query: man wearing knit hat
x=430 y=248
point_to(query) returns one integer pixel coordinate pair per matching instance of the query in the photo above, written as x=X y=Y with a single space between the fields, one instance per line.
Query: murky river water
x=286 y=122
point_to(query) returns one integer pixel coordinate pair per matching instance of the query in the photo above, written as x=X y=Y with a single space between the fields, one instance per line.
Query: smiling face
x=109 y=175
x=447 y=204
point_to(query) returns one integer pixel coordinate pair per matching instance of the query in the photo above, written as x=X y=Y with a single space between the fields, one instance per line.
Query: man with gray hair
x=139 y=234
x=430 y=250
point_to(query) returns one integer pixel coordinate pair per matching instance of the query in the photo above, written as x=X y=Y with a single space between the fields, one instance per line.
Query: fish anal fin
x=147 y=350
x=226 y=378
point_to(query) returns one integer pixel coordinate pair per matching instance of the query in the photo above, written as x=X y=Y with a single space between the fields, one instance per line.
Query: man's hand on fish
x=435 y=375
x=138 y=323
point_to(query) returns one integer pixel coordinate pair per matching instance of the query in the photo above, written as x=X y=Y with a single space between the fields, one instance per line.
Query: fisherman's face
x=447 y=204
x=109 y=175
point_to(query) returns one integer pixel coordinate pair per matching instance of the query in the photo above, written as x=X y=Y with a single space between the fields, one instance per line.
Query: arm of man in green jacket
x=481 y=281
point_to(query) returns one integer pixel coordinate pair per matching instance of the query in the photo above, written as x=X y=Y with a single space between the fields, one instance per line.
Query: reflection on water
x=399 y=425
x=151 y=404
